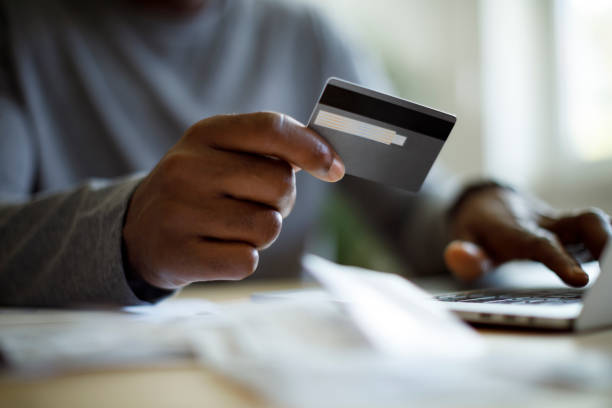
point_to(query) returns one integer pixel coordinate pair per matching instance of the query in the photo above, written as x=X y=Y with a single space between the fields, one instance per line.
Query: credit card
x=380 y=137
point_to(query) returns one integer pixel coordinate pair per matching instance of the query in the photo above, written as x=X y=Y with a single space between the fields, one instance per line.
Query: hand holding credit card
x=380 y=137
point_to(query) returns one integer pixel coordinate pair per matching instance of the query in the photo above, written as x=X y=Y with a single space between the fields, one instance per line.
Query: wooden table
x=187 y=384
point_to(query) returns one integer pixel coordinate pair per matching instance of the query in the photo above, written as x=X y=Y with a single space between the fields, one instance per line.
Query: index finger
x=273 y=134
x=543 y=246
x=592 y=228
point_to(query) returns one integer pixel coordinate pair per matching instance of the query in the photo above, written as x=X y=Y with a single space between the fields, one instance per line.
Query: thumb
x=466 y=260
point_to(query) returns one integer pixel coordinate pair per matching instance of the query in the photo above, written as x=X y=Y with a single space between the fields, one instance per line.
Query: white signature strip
x=358 y=128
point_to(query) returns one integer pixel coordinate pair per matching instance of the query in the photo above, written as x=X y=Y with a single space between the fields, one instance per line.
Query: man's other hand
x=495 y=225
x=219 y=196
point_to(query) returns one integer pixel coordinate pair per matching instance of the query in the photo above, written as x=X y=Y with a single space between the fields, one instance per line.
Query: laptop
x=569 y=309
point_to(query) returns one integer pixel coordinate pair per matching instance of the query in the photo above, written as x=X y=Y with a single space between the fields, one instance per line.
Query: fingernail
x=336 y=171
x=471 y=248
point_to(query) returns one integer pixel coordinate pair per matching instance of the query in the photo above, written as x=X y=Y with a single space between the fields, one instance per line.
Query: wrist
x=141 y=288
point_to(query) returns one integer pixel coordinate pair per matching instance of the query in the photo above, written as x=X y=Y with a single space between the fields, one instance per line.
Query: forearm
x=65 y=249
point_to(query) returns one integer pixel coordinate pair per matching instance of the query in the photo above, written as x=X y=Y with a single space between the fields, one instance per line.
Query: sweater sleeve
x=64 y=249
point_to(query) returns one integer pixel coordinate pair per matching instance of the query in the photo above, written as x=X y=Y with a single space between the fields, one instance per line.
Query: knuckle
x=592 y=216
x=270 y=228
x=286 y=205
x=285 y=182
x=257 y=226
x=245 y=262
x=235 y=215
x=201 y=130
x=191 y=132
x=321 y=155
x=251 y=259
x=170 y=169
x=165 y=268
x=174 y=175
x=274 y=121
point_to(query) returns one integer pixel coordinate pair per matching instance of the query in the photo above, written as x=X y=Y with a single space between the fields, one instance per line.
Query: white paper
x=399 y=318
x=318 y=351
x=47 y=341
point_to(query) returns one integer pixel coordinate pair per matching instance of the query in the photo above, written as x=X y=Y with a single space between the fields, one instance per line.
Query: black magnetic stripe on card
x=387 y=112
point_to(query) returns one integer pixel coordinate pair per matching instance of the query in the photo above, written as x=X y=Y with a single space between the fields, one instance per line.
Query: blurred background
x=530 y=82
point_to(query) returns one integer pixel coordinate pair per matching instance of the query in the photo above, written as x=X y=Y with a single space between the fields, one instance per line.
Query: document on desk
x=326 y=352
x=374 y=341
x=396 y=316
x=50 y=341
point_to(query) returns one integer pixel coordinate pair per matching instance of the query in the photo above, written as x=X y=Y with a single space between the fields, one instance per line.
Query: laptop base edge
x=518 y=321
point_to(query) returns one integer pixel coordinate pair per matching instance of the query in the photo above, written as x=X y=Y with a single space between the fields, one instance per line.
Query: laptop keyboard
x=522 y=297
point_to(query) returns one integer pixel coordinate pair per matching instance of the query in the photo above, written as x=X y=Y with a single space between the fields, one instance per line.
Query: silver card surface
x=378 y=136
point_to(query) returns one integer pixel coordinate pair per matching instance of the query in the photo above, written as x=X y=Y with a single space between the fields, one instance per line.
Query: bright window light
x=585 y=77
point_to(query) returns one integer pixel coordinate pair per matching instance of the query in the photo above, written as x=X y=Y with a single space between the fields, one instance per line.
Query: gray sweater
x=92 y=94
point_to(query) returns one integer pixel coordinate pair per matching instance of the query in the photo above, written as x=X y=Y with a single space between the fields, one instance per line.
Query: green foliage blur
x=353 y=241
